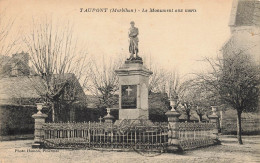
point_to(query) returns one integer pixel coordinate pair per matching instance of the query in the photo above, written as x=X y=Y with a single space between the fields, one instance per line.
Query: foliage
x=158 y=105
x=103 y=82
x=56 y=57
x=8 y=41
x=235 y=80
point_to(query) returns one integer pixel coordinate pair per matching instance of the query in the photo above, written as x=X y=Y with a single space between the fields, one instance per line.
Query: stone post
x=213 y=118
x=38 y=131
x=108 y=118
x=173 y=128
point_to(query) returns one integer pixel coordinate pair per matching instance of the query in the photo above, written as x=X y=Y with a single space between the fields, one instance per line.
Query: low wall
x=250 y=122
x=249 y=126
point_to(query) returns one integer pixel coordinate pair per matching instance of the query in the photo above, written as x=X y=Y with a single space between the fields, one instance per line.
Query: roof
x=19 y=87
x=245 y=41
x=245 y=13
x=28 y=87
x=17 y=64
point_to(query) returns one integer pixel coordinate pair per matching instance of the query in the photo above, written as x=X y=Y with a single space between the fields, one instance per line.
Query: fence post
x=38 y=131
x=213 y=118
x=173 y=127
x=108 y=118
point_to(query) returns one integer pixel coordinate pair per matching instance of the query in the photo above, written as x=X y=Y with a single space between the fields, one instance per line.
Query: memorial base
x=133 y=122
x=133 y=114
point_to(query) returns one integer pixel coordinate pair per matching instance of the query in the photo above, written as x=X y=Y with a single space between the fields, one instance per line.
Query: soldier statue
x=133 y=41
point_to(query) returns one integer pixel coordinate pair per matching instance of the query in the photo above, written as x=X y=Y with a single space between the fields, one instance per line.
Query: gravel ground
x=229 y=151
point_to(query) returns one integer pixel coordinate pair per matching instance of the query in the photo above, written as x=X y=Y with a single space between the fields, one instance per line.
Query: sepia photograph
x=129 y=81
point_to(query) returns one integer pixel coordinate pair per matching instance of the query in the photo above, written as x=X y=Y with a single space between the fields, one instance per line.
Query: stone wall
x=249 y=126
x=250 y=122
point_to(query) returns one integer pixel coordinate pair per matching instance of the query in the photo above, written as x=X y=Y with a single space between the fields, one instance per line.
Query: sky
x=174 y=40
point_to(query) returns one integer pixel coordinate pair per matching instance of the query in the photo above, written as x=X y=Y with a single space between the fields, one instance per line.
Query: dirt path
x=229 y=151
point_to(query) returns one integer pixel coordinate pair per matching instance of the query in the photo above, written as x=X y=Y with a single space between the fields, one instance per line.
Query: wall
x=249 y=126
x=250 y=123
x=16 y=120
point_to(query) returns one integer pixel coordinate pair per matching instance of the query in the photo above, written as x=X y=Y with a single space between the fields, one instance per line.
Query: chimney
x=20 y=64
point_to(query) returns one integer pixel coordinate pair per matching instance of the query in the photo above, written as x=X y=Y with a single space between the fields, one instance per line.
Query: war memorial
x=132 y=130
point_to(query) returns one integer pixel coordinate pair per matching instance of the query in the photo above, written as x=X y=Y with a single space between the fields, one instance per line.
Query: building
x=17 y=65
x=245 y=28
x=21 y=89
x=245 y=36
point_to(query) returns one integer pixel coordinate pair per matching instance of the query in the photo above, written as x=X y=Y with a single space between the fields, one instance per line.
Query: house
x=245 y=28
x=16 y=65
x=21 y=89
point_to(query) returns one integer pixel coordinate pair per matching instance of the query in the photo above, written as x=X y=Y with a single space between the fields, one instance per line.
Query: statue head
x=132 y=23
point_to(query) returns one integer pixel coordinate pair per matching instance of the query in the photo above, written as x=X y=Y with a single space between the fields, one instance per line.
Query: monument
x=133 y=83
x=133 y=41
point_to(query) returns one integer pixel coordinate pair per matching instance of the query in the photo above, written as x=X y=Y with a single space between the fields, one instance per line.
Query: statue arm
x=129 y=33
x=134 y=33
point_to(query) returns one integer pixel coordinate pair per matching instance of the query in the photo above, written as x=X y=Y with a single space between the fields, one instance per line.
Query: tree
x=8 y=42
x=56 y=57
x=103 y=81
x=181 y=89
x=187 y=106
x=199 y=98
x=235 y=80
x=158 y=80
x=169 y=82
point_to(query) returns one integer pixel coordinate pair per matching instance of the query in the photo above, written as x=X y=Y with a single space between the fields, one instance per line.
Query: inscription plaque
x=129 y=97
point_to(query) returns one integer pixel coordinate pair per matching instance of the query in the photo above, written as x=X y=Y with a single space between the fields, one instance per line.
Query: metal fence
x=194 y=135
x=106 y=135
x=152 y=137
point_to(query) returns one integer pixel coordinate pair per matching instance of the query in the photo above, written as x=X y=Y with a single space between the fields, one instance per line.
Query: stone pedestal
x=38 y=131
x=173 y=128
x=214 y=119
x=133 y=88
x=108 y=118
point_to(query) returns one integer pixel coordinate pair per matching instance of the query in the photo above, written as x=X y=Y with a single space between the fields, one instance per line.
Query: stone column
x=213 y=118
x=173 y=129
x=39 y=122
x=108 y=118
